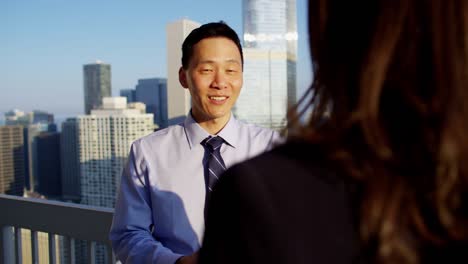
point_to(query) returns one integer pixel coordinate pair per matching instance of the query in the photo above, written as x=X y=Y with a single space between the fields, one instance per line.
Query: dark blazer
x=288 y=206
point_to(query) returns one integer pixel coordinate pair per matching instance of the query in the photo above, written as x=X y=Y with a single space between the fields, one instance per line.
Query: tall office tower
x=11 y=160
x=153 y=93
x=178 y=98
x=70 y=163
x=49 y=165
x=104 y=140
x=71 y=185
x=130 y=94
x=97 y=84
x=270 y=41
x=30 y=133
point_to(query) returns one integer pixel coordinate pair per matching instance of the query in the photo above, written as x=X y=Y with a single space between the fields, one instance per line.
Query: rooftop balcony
x=66 y=222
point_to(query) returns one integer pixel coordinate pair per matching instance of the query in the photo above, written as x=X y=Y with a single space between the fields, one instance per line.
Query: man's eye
x=206 y=70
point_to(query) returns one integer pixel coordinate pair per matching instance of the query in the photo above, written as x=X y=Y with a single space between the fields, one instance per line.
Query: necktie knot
x=213 y=143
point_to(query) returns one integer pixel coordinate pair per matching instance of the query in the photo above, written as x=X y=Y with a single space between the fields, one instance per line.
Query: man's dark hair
x=210 y=30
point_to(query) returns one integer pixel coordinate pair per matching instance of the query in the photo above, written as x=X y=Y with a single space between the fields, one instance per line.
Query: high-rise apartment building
x=178 y=98
x=11 y=160
x=153 y=93
x=270 y=48
x=104 y=140
x=97 y=84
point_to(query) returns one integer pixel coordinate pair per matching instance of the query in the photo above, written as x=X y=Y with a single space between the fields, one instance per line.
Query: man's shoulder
x=255 y=129
x=159 y=136
x=257 y=132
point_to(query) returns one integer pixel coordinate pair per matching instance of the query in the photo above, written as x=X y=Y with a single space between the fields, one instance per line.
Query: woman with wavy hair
x=379 y=173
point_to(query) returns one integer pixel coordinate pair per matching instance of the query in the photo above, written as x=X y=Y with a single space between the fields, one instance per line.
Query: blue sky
x=44 y=44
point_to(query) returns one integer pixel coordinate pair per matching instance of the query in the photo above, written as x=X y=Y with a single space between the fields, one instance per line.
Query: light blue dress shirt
x=159 y=210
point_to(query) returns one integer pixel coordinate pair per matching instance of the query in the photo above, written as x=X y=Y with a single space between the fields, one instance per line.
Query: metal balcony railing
x=72 y=221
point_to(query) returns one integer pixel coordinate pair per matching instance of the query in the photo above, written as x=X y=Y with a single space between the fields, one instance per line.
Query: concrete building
x=178 y=98
x=97 y=84
x=270 y=41
x=12 y=173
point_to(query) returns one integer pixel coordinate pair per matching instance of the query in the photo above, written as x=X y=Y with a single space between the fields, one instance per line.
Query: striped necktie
x=215 y=165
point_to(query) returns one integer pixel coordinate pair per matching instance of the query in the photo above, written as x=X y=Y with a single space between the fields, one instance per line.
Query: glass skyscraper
x=153 y=93
x=270 y=48
x=97 y=84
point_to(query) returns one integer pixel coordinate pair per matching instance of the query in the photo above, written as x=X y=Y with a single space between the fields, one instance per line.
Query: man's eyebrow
x=213 y=62
x=233 y=61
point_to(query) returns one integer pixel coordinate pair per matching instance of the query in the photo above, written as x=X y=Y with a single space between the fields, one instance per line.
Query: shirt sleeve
x=130 y=233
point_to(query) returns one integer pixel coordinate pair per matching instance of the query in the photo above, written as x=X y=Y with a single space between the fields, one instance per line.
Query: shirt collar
x=196 y=134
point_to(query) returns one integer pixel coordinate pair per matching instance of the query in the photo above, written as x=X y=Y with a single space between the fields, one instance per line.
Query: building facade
x=179 y=101
x=153 y=93
x=270 y=42
x=97 y=84
x=130 y=94
x=49 y=165
x=12 y=173
x=104 y=140
x=70 y=163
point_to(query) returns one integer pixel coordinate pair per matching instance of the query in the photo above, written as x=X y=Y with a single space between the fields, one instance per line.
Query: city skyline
x=47 y=44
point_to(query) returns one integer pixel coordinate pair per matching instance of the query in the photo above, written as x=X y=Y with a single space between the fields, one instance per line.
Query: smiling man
x=160 y=210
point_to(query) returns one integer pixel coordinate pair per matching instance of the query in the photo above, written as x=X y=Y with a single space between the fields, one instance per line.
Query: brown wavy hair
x=389 y=101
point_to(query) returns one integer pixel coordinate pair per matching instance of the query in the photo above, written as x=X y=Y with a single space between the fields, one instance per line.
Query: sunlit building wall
x=178 y=98
x=42 y=248
x=12 y=172
x=262 y=100
x=104 y=140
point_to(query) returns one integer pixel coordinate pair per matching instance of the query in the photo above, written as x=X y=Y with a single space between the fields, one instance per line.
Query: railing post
x=7 y=245
x=52 y=249
x=71 y=246
x=34 y=247
x=19 y=246
x=91 y=247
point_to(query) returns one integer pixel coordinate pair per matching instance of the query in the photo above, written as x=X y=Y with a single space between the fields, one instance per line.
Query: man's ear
x=182 y=78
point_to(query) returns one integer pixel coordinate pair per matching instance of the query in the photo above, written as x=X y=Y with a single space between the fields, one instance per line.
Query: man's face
x=214 y=78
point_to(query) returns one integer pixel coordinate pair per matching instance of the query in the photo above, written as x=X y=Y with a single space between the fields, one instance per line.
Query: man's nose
x=219 y=80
